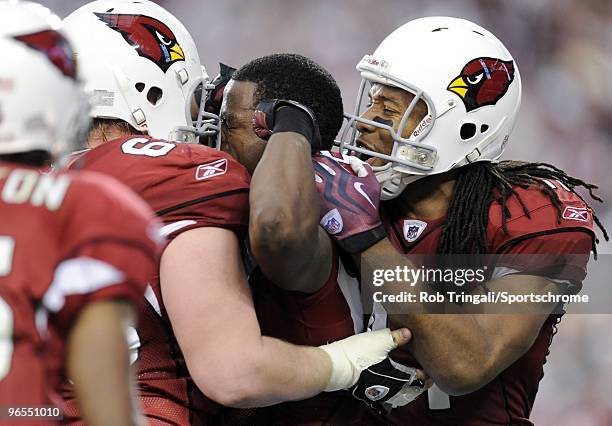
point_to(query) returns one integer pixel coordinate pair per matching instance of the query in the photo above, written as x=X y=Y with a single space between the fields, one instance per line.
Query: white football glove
x=354 y=354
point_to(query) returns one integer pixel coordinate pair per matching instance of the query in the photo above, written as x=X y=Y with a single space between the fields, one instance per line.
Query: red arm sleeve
x=110 y=248
x=187 y=186
x=550 y=242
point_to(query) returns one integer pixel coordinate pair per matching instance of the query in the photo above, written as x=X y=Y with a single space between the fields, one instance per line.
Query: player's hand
x=350 y=200
x=215 y=98
x=279 y=115
x=389 y=385
x=354 y=354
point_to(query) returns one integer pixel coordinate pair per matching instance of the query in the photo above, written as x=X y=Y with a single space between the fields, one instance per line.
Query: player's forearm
x=453 y=349
x=462 y=351
x=457 y=351
x=276 y=372
x=284 y=214
x=283 y=197
x=98 y=365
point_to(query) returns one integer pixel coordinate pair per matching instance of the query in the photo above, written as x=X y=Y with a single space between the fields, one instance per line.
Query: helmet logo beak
x=458 y=86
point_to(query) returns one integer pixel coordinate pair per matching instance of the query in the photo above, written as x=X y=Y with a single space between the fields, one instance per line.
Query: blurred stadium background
x=564 y=51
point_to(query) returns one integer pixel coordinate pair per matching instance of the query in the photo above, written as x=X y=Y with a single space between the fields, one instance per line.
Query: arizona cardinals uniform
x=188 y=186
x=331 y=313
x=509 y=398
x=66 y=240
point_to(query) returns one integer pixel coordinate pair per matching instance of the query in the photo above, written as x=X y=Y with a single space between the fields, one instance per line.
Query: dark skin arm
x=290 y=247
x=464 y=350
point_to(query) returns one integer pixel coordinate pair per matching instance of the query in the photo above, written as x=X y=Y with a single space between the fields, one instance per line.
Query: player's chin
x=375 y=162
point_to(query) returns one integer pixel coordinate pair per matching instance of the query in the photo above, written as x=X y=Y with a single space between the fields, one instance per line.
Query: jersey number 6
x=144 y=146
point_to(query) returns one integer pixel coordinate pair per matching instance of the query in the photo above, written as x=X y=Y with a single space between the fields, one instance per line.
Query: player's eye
x=163 y=39
x=475 y=79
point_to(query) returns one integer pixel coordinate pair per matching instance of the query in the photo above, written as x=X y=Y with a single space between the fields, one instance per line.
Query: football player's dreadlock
x=480 y=184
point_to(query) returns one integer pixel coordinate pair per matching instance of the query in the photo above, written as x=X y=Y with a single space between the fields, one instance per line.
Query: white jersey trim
x=175 y=226
x=350 y=290
x=79 y=275
x=152 y=299
x=502 y=271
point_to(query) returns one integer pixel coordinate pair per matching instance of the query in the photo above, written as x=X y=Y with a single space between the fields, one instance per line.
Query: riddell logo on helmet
x=376 y=62
x=422 y=125
x=149 y=37
x=482 y=81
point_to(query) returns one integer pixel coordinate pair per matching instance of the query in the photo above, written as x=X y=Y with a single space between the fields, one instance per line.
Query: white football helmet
x=141 y=65
x=470 y=84
x=42 y=105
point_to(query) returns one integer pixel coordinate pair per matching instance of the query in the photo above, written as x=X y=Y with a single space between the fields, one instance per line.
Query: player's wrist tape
x=350 y=356
x=292 y=119
x=278 y=115
x=360 y=242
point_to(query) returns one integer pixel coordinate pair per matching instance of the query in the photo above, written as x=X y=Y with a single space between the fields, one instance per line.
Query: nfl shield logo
x=413 y=229
x=332 y=222
x=376 y=392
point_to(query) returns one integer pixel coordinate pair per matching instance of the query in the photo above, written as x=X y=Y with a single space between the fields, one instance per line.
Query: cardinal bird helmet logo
x=483 y=81
x=151 y=38
x=55 y=47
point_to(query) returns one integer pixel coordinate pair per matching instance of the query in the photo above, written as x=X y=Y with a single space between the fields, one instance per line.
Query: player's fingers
x=421 y=375
x=401 y=336
x=323 y=169
x=357 y=166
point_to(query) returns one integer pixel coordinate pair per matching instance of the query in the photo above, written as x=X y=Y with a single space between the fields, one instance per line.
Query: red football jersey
x=188 y=186
x=332 y=313
x=509 y=398
x=66 y=240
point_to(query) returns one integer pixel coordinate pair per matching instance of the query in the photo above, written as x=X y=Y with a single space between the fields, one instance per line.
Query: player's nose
x=363 y=127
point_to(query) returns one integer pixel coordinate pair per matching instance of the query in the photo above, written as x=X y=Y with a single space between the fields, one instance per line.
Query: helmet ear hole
x=484 y=128
x=140 y=86
x=154 y=95
x=467 y=131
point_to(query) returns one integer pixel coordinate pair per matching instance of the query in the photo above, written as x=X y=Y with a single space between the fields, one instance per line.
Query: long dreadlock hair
x=480 y=184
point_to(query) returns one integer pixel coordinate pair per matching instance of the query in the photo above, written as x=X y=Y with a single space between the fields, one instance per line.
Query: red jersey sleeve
x=214 y=193
x=110 y=242
x=186 y=185
x=550 y=241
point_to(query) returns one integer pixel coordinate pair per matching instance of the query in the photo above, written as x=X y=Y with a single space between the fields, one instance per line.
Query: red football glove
x=279 y=115
x=350 y=199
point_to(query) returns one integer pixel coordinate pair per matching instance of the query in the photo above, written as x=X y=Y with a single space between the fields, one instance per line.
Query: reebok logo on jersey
x=209 y=170
x=576 y=213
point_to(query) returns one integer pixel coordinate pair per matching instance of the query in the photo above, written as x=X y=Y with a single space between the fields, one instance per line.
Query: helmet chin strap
x=393 y=182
